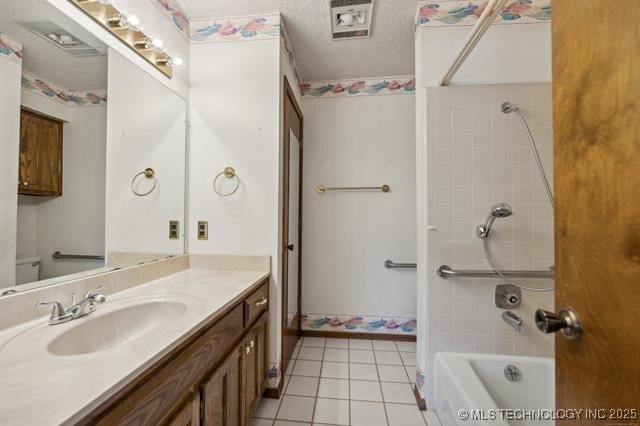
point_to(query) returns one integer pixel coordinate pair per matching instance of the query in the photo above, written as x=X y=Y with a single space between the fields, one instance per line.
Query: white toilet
x=27 y=270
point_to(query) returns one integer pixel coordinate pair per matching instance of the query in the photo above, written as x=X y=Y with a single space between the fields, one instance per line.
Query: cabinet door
x=40 y=162
x=189 y=415
x=222 y=393
x=254 y=363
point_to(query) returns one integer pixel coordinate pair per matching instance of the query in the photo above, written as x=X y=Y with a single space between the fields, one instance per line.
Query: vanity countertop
x=38 y=387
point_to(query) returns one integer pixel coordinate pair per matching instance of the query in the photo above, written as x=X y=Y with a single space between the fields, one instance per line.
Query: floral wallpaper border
x=235 y=29
x=359 y=324
x=285 y=44
x=172 y=11
x=66 y=97
x=466 y=12
x=363 y=87
x=10 y=49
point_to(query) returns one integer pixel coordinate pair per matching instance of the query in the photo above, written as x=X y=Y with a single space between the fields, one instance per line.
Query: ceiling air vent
x=62 y=39
x=351 y=18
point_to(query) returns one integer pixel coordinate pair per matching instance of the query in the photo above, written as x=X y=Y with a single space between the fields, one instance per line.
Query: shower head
x=507 y=107
x=498 y=211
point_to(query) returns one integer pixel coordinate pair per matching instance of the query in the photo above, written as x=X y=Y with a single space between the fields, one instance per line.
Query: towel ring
x=149 y=173
x=229 y=173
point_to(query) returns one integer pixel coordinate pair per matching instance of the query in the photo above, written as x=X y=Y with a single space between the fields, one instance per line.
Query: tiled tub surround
x=58 y=385
x=478 y=156
x=346 y=382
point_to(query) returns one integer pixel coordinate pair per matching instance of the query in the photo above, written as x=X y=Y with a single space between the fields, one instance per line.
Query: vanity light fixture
x=174 y=61
x=128 y=28
x=151 y=42
x=124 y=20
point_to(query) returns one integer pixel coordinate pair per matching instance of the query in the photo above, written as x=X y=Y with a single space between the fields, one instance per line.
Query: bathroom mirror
x=97 y=147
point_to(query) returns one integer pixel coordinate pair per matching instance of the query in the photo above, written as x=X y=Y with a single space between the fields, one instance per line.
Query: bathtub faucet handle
x=565 y=321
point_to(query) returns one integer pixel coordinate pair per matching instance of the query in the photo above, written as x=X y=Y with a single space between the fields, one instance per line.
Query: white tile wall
x=478 y=156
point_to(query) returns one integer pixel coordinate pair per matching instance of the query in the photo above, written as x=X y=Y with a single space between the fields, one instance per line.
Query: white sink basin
x=117 y=327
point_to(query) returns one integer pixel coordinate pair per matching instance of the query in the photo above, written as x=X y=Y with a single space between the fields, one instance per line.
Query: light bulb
x=175 y=61
x=155 y=43
x=132 y=21
x=347 y=19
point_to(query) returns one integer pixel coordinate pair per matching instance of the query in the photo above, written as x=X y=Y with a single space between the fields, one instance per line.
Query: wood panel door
x=596 y=115
x=254 y=362
x=291 y=249
x=40 y=161
x=222 y=393
x=189 y=415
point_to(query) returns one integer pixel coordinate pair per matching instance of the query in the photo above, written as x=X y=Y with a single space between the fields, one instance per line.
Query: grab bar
x=58 y=255
x=389 y=264
x=445 y=271
x=322 y=189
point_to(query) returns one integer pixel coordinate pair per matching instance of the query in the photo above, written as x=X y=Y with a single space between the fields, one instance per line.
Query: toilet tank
x=27 y=270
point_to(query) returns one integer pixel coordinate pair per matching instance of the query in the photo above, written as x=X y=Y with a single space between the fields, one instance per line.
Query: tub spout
x=513 y=320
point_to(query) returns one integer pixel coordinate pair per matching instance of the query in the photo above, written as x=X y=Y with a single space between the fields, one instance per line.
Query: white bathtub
x=476 y=384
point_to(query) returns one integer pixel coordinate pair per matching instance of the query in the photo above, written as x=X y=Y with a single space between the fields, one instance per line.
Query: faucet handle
x=57 y=310
x=92 y=293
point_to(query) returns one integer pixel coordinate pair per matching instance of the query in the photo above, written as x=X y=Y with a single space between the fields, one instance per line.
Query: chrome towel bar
x=58 y=255
x=445 y=271
x=389 y=264
x=322 y=189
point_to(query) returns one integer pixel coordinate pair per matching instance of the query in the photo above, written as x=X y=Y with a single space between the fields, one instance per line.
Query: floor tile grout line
x=384 y=407
x=315 y=402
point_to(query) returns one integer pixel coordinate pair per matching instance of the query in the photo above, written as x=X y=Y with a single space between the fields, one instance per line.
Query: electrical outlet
x=203 y=230
x=174 y=229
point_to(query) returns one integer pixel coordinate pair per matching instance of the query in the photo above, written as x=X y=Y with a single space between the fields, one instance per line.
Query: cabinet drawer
x=256 y=303
x=152 y=400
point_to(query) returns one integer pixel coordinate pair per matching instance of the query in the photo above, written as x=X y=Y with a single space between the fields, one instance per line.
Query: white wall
x=359 y=141
x=145 y=128
x=506 y=53
x=233 y=117
x=9 y=145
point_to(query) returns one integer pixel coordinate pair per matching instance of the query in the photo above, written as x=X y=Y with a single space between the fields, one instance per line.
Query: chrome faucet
x=87 y=305
x=513 y=320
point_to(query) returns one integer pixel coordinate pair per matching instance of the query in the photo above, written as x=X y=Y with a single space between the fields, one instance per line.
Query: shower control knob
x=565 y=321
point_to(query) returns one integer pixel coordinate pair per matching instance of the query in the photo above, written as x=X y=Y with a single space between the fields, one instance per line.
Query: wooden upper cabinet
x=40 y=161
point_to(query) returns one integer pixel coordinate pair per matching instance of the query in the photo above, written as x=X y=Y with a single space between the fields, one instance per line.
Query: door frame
x=290 y=99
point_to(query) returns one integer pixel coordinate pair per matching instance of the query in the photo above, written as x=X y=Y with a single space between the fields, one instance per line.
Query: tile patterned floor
x=346 y=382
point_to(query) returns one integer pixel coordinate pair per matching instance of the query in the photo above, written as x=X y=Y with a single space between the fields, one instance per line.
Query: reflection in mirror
x=74 y=212
x=55 y=94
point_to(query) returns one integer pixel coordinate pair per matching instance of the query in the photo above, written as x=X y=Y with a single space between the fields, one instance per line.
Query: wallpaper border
x=359 y=87
x=359 y=324
x=71 y=98
x=10 y=49
x=448 y=13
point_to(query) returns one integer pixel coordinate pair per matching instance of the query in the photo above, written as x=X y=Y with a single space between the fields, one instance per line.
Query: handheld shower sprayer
x=498 y=210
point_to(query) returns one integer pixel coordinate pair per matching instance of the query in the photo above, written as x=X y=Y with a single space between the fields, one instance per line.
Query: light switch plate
x=203 y=230
x=174 y=229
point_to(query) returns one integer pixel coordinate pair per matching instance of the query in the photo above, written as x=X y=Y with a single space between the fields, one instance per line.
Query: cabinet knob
x=251 y=344
x=247 y=349
x=262 y=301
x=25 y=183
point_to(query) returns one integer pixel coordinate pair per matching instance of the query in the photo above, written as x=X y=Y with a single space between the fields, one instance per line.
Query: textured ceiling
x=43 y=58
x=388 y=52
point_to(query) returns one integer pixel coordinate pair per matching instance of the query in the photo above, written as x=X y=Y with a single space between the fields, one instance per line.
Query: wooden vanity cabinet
x=40 y=161
x=234 y=390
x=216 y=378
x=189 y=414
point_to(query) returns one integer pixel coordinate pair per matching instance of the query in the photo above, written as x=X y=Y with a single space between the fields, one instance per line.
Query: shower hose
x=487 y=250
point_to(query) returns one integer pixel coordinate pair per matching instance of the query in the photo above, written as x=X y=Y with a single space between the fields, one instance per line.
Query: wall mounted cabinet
x=40 y=159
